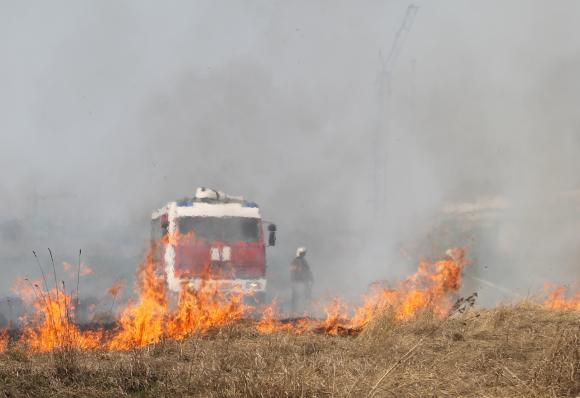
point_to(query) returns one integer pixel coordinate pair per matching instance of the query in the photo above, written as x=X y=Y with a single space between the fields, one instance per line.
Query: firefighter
x=301 y=278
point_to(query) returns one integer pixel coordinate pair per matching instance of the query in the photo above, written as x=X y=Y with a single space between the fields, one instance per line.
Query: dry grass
x=517 y=351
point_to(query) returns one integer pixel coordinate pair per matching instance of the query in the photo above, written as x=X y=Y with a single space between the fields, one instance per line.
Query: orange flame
x=52 y=325
x=336 y=314
x=4 y=339
x=431 y=287
x=557 y=299
x=116 y=289
x=141 y=323
x=151 y=318
x=269 y=322
x=202 y=309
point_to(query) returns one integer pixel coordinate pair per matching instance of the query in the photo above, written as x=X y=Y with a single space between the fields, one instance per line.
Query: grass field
x=513 y=351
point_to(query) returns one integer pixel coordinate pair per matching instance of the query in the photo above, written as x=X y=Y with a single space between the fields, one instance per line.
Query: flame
x=154 y=316
x=431 y=287
x=336 y=313
x=557 y=299
x=151 y=318
x=52 y=325
x=142 y=322
x=270 y=320
x=203 y=309
x=116 y=289
x=4 y=340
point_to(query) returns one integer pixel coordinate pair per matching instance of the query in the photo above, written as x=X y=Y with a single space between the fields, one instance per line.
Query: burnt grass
x=511 y=351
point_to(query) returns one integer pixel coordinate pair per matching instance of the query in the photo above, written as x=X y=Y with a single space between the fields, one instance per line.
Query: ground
x=514 y=351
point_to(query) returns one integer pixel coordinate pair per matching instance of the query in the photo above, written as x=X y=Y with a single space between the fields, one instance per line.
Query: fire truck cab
x=214 y=238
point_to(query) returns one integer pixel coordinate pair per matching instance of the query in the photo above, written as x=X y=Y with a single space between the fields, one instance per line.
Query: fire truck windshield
x=224 y=229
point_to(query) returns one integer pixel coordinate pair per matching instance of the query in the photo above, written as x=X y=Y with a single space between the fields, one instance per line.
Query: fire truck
x=213 y=240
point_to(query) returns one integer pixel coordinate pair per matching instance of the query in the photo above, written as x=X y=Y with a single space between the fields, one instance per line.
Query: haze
x=110 y=109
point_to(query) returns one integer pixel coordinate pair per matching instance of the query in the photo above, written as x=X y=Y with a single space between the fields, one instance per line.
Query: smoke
x=109 y=111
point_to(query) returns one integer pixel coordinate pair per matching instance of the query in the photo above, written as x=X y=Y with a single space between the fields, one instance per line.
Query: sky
x=108 y=110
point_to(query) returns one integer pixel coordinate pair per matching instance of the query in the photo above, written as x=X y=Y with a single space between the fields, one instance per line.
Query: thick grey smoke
x=110 y=110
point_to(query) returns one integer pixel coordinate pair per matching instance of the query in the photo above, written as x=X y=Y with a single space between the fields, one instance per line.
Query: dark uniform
x=301 y=278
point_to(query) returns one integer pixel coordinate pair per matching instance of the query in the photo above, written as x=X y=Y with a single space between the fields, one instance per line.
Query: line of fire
x=206 y=267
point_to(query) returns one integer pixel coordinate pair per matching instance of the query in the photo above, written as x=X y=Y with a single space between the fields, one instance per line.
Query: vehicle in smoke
x=213 y=240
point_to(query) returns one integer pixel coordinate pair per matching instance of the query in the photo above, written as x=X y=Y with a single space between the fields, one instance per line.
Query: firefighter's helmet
x=301 y=252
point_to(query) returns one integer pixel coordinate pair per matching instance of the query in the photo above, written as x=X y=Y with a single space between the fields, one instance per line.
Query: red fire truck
x=218 y=233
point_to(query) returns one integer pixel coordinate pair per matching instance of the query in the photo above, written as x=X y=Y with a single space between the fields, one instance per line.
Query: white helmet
x=300 y=252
